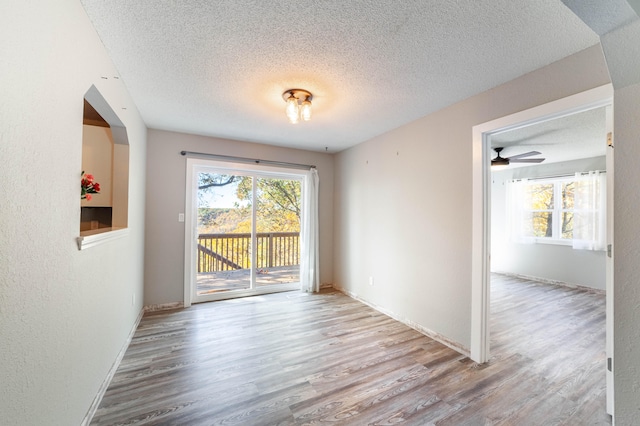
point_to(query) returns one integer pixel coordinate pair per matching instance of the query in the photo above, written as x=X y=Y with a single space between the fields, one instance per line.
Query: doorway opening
x=548 y=214
x=481 y=241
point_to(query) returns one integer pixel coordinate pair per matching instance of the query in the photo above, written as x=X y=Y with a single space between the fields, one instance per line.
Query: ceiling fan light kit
x=298 y=105
x=501 y=162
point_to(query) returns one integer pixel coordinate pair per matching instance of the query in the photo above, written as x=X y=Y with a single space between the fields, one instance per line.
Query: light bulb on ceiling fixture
x=305 y=110
x=298 y=105
x=292 y=109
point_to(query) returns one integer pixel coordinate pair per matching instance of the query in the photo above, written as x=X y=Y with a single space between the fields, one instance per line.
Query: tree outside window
x=549 y=210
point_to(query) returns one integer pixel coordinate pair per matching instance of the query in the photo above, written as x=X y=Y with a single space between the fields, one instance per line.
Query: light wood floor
x=299 y=359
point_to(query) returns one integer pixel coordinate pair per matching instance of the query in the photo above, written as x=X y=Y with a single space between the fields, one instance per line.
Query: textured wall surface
x=164 y=256
x=622 y=51
x=619 y=28
x=627 y=255
x=403 y=212
x=64 y=314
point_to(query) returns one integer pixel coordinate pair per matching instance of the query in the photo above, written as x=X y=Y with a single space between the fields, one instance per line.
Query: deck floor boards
x=301 y=359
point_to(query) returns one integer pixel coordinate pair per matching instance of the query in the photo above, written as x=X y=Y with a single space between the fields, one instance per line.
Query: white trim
x=610 y=287
x=188 y=231
x=254 y=233
x=557 y=211
x=552 y=241
x=265 y=289
x=112 y=371
x=480 y=238
x=100 y=236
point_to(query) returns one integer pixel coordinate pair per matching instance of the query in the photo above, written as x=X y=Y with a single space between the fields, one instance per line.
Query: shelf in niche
x=99 y=236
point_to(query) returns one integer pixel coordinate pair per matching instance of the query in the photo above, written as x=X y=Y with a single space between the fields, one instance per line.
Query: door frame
x=609 y=260
x=481 y=202
x=191 y=223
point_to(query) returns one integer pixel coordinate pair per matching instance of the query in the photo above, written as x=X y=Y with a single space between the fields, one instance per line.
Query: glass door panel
x=224 y=240
x=278 y=204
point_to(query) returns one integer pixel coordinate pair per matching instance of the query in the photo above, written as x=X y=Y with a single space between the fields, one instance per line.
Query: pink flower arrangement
x=88 y=187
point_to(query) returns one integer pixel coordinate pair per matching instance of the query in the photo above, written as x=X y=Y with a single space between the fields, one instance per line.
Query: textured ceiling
x=581 y=135
x=219 y=68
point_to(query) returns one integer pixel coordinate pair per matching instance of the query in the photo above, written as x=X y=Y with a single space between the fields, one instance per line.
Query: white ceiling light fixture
x=298 y=104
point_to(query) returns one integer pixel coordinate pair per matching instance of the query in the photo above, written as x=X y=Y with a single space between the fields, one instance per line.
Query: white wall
x=546 y=261
x=64 y=314
x=166 y=171
x=403 y=209
x=627 y=254
x=622 y=49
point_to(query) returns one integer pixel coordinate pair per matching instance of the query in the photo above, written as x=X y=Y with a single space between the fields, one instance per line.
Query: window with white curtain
x=568 y=210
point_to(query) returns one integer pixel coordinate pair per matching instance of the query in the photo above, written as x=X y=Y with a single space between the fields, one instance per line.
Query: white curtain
x=519 y=220
x=590 y=208
x=309 y=269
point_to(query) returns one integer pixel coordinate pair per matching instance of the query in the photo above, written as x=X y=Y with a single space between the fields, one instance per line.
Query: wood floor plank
x=302 y=359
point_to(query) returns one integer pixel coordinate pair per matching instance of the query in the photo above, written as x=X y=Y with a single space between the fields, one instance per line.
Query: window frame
x=556 y=212
x=197 y=165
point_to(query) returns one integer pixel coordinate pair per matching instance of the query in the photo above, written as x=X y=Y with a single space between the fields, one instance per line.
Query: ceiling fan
x=520 y=158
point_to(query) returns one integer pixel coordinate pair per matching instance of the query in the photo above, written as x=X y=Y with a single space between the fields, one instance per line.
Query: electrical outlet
x=133 y=299
x=370 y=280
x=180 y=217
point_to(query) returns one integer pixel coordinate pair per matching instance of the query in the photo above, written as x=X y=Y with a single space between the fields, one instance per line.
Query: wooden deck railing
x=225 y=252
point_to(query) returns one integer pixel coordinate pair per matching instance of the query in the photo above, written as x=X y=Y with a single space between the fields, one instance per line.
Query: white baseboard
x=112 y=371
x=429 y=333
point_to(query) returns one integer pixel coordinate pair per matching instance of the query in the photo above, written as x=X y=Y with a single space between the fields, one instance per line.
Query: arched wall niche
x=105 y=154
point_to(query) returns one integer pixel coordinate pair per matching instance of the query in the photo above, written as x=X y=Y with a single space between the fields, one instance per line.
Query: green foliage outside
x=218 y=220
x=543 y=209
x=278 y=210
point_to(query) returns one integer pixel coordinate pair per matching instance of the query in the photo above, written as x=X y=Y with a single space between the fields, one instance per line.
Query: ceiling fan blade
x=526 y=154
x=526 y=160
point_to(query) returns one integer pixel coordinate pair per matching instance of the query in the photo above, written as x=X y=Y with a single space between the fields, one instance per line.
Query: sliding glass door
x=245 y=231
x=224 y=244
